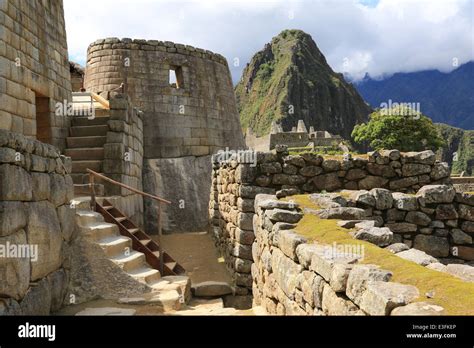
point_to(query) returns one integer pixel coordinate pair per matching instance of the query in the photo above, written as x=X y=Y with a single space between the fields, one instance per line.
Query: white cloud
x=377 y=37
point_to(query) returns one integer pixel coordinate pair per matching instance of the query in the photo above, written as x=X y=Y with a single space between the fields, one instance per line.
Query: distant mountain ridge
x=290 y=80
x=445 y=97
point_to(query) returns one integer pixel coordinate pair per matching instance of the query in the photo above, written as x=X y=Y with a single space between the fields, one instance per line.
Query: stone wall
x=436 y=220
x=308 y=172
x=292 y=276
x=196 y=119
x=463 y=184
x=235 y=183
x=257 y=143
x=34 y=69
x=123 y=155
x=35 y=191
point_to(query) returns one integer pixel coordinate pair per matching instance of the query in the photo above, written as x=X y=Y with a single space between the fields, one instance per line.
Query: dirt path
x=198 y=255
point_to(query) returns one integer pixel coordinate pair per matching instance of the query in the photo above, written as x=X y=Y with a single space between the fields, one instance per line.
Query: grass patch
x=454 y=295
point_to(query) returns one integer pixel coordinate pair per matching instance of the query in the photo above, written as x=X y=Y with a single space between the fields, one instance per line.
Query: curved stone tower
x=190 y=112
x=195 y=117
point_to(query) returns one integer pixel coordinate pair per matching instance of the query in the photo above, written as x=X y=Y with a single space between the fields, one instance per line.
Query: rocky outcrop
x=183 y=181
x=290 y=80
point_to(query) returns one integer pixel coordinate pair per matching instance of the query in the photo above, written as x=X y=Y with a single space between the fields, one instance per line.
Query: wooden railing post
x=91 y=182
x=160 y=246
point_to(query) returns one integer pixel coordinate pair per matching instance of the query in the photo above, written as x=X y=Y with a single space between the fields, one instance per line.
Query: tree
x=398 y=128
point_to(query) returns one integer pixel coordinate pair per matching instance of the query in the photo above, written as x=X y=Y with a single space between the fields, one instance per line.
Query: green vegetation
x=395 y=129
x=453 y=294
x=322 y=150
x=464 y=161
x=459 y=152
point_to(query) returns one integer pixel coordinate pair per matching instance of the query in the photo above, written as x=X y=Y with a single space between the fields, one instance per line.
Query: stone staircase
x=87 y=136
x=170 y=292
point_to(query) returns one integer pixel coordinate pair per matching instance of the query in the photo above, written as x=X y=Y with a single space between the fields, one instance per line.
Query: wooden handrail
x=90 y=171
x=160 y=200
x=100 y=100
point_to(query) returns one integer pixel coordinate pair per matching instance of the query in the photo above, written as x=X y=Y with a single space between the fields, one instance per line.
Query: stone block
x=16 y=184
x=466 y=212
x=371 y=182
x=383 y=198
x=418 y=308
x=44 y=231
x=58 y=190
x=404 y=201
x=433 y=245
x=417 y=256
x=286 y=272
x=323 y=261
x=446 y=212
x=402 y=227
x=37 y=300
x=430 y=194
x=58 y=283
x=418 y=218
x=335 y=304
x=380 y=297
x=280 y=215
x=14 y=270
x=288 y=241
x=41 y=183
x=13 y=217
x=360 y=276
x=380 y=236
x=66 y=216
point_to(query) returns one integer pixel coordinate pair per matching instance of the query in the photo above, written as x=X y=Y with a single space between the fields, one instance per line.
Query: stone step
x=116 y=245
x=146 y=275
x=82 y=142
x=87 y=131
x=85 y=189
x=85 y=153
x=86 y=217
x=81 y=166
x=84 y=202
x=130 y=262
x=101 y=118
x=80 y=178
x=98 y=231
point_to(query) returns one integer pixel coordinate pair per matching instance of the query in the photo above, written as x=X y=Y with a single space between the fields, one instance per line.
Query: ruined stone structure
x=299 y=136
x=185 y=119
x=236 y=183
x=34 y=70
x=288 y=274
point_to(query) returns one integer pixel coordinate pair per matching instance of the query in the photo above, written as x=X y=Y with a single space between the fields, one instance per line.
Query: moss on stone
x=454 y=295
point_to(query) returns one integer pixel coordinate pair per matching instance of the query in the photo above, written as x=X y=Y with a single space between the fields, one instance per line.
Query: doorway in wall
x=43 y=118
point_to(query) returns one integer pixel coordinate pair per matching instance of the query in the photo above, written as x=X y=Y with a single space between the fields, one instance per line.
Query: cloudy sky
x=380 y=37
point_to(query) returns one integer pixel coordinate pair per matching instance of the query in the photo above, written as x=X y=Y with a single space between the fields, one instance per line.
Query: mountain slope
x=445 y=97
x=461 y=142
x=290 y=80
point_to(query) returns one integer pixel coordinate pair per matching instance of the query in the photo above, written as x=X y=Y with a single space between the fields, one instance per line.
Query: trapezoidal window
x=176 y=77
